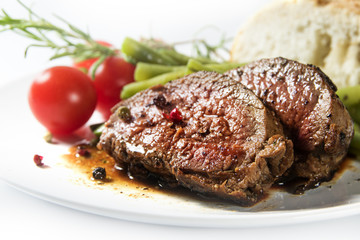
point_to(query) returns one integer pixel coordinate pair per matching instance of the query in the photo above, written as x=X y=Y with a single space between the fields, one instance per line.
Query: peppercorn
x=83 y=152
x=99 y=173
x=123 y=113
x=175 y=115
x=38 y=160
x=160 y=101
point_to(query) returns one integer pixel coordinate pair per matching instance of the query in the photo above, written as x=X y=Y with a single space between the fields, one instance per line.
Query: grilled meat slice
x=205 y=132
x=304 y=99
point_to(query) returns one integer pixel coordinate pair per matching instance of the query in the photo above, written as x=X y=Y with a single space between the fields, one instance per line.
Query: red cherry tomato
x=85 y=65
x=62 y=99
x=109 y=80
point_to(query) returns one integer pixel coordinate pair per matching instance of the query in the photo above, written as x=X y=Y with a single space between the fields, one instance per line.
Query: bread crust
x=325 y=33
x=350 y=5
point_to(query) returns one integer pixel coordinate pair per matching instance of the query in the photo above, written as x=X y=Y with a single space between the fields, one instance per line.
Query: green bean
x=144 y=71
x=224 y=67
x=97 y=129
x=181 y=59
x=132 y=88
x=195 y=66
x=350 y=96
x=355 y=143
x=204 y=60
x=138 y=52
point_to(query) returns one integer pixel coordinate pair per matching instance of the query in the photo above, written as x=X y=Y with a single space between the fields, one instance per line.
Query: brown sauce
x=299 y=186
x=118 y=179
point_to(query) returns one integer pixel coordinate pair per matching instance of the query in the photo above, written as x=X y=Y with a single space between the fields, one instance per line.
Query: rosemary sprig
x=206 y=50
x=211 y=51
x=200 y=47
x=70 y=41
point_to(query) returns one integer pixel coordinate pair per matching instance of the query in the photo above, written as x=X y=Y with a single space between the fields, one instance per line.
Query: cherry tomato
x=85 y=65
x=109 y=80
x=62 y=99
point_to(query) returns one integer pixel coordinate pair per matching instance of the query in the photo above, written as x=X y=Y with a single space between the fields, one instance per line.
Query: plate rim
x=245 y=219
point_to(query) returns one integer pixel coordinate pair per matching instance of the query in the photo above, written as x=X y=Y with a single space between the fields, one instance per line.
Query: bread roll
x=325 y=33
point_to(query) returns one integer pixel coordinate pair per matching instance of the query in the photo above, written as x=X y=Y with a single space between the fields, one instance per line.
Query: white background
x=23 y=216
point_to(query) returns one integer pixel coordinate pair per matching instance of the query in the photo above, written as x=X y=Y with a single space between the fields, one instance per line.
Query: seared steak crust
x=227 y=142
x=304 y=99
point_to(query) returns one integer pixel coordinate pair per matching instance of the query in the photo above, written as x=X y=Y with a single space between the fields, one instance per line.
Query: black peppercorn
x=160 y=101
x=99 y=173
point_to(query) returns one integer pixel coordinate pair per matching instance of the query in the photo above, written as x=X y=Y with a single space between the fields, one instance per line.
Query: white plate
x=22 y=137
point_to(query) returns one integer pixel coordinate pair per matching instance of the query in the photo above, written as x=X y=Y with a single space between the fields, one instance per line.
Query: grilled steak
x=205 y=132
x=304 y=99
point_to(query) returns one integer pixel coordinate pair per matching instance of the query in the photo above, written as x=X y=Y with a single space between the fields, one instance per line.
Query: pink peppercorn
x=175 y=115
x=38 y=160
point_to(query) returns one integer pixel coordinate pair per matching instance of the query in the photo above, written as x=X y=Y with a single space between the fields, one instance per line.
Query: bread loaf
x=325 y=33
